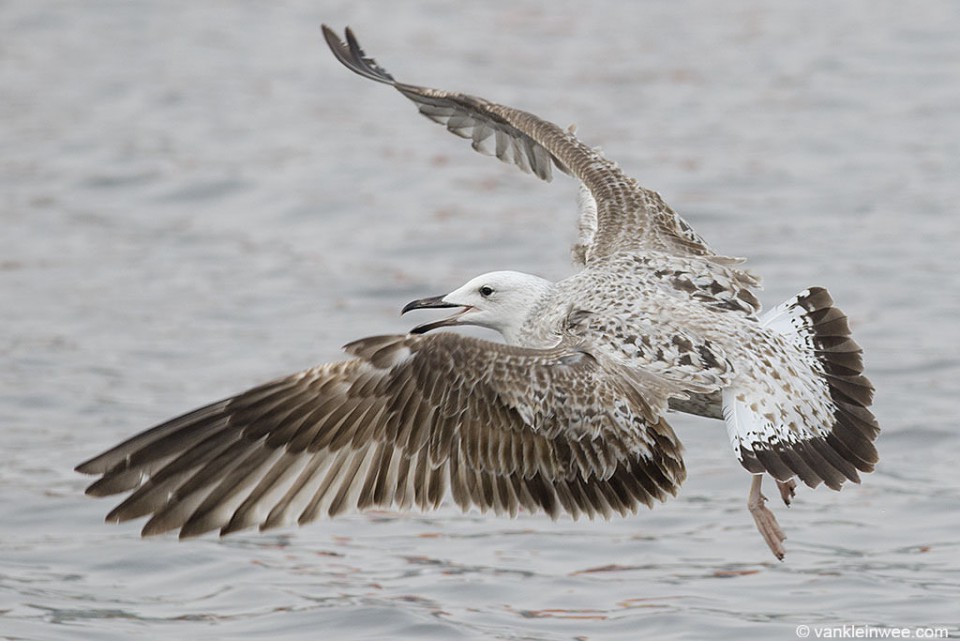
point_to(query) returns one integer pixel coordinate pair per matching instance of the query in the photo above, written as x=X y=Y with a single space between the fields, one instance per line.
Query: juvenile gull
x=566 y=417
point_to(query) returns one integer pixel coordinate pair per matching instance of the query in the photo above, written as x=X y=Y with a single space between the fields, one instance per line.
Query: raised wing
x=629 y=218
x=410 y=417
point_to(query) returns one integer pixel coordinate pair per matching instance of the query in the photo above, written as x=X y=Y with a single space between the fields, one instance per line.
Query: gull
x=566 y=416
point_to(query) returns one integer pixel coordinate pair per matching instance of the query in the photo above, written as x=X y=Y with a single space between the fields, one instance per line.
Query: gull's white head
x=501 y=301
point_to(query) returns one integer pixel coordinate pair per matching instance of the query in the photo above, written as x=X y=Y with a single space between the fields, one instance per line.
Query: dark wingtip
x=352 y=56
x=93 y=465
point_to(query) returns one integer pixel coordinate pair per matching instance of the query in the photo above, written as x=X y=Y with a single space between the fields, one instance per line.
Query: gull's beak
x=435 y=302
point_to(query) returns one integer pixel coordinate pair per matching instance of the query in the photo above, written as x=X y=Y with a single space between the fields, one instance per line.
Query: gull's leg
x=764 y=518
x=788 y=489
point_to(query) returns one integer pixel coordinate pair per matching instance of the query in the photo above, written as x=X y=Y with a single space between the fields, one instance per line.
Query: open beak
x=435 y=302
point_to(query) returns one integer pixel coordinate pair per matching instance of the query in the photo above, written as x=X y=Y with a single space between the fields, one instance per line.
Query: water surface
x=197 y=198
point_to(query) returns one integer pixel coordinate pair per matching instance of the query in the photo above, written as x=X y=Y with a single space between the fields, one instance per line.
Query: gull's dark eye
x=486 y=290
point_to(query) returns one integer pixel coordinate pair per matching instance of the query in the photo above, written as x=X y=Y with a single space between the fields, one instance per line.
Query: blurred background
x=196 y=197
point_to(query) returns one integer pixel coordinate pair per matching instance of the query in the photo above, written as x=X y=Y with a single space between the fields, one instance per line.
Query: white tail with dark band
x=808 y=413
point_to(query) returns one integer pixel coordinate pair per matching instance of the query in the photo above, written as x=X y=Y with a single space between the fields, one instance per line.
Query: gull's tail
x=808 y=415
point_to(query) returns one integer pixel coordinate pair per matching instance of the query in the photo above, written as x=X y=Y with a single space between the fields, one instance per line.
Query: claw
x=788 y=489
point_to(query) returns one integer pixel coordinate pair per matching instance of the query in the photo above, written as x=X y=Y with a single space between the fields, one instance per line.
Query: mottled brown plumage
x=568 y=417
x=503 y=427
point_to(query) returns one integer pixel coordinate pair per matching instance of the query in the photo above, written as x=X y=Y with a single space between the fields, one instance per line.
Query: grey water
x=195 y=198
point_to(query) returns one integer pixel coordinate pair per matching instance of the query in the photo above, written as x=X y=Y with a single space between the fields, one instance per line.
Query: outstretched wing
x=629 y=218
x=410 y=417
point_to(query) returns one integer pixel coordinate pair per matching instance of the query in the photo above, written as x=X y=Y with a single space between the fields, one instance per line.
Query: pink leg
x=764 y=518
